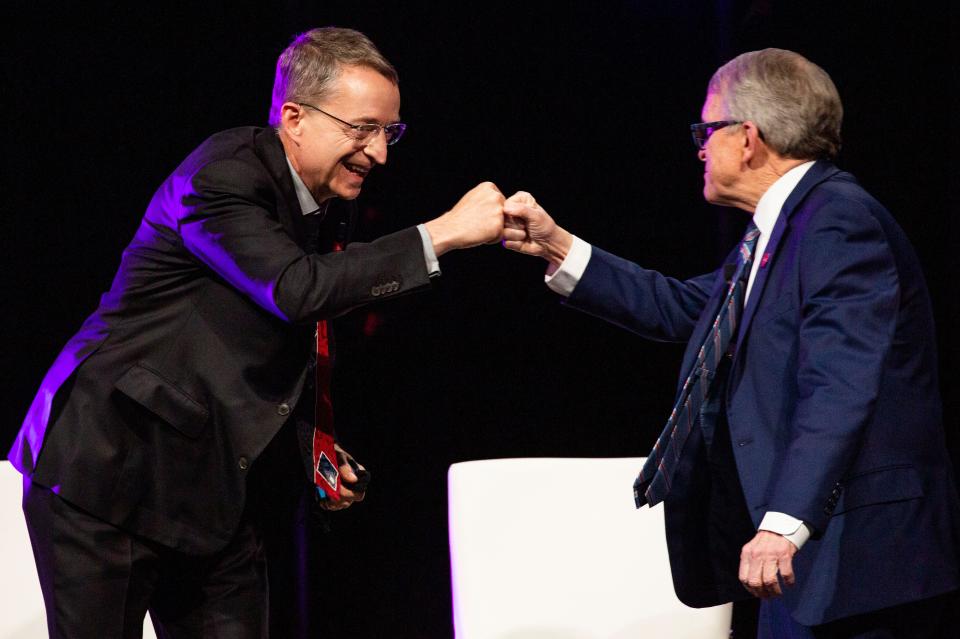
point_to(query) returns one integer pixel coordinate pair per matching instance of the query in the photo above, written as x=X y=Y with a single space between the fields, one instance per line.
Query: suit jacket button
x=283 y=409
x=375 y=291
x=244 y=463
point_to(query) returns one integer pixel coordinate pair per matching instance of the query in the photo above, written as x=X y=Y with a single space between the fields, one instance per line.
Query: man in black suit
x=196 y=367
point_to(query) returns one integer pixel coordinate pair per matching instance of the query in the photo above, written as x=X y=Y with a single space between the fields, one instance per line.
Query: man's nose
x=702 y=154
x=376 y=149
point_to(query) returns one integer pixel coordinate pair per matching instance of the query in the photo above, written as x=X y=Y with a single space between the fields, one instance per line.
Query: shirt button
x=244 y=463
x=283 y=409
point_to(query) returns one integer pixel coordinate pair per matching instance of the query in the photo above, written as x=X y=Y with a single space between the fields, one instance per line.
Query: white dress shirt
x=564 y=278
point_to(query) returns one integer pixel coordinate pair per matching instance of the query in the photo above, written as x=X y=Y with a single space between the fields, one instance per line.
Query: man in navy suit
x=816 y=477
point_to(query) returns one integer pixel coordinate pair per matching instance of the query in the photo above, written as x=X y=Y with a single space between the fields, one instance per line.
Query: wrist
x=440 y=236
x=557 y=248
x=787 y=526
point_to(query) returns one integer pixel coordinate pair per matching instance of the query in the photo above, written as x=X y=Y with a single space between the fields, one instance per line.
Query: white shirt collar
x=768 y=208
x=308 y=204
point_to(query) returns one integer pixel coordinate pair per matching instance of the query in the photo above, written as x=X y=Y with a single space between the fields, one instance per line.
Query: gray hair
x=307 y=68
x=793 y=102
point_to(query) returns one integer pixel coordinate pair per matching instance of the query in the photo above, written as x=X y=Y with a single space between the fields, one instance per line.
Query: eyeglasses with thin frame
x=702 y=131
x=368 y=131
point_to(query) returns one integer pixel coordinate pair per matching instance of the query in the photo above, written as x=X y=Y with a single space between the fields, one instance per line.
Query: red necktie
x=326 y=470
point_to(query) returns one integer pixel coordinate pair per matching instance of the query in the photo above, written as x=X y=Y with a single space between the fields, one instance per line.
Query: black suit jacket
x=153 y=413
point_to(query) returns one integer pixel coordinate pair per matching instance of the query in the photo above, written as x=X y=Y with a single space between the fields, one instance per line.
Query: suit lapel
x=270 y=150
x=817 y=174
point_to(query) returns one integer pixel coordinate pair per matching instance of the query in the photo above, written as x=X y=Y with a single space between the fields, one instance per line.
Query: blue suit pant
x=933 y=618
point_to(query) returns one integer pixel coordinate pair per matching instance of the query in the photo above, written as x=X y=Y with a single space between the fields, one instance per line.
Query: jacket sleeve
x=849 y=295
x=227 y=219
x=640 y=300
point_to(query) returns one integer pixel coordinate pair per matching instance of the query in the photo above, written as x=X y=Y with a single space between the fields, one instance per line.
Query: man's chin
x=709 y=194
x=349 y=194
x=712 y=197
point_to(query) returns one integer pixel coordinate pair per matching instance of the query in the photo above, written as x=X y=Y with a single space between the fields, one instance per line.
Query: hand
x=764 y=556
x=347 y=477
x=476 y=219
x=529 y=229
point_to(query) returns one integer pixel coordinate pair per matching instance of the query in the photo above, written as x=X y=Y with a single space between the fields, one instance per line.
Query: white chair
x=554 y=549
x=21 y=604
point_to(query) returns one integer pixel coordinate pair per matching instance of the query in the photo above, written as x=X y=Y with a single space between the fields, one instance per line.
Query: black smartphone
x=363 y=476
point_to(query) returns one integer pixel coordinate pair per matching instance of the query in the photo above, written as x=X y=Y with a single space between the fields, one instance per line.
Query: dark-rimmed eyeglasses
x=368 y=131
x=702 y=131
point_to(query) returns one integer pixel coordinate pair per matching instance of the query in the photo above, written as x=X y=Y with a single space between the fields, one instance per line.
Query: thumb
x=511 y=222
x=346 y=469
x=518 y=209
x=522 y=197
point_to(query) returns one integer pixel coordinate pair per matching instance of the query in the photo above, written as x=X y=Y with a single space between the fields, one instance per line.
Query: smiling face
x=324 y=152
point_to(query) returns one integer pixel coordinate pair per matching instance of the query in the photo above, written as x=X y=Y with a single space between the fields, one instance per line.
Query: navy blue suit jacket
x=832 y=404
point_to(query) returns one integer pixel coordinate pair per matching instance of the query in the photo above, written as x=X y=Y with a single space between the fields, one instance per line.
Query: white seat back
x=555 y=549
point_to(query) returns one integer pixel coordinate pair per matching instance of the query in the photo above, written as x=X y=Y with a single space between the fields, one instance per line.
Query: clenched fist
x=529 y=229
x=476 y=219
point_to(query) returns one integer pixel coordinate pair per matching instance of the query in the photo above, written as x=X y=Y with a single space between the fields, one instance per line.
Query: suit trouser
x=729 y=525
x=923 y=619
x=98 y=581
x=87 y=565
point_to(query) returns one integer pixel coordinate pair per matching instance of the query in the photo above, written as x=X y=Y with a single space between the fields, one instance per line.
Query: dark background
x=586 y=105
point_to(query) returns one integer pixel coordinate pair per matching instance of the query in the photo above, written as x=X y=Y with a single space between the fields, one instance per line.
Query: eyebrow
x=370 y=120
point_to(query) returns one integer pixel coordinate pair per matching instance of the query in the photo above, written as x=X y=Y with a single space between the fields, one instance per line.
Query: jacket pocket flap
x=164 y=399
x=884 y=485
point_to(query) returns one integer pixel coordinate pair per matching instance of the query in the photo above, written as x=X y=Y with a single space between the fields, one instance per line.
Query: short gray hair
x=308 y=67
x=793 y=102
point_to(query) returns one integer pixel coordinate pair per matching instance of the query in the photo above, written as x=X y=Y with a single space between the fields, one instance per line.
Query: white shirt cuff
x=564 y=278
x=429 y=255
x=790 y=527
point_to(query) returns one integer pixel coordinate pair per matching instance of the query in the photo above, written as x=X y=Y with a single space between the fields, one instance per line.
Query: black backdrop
x=587 y=105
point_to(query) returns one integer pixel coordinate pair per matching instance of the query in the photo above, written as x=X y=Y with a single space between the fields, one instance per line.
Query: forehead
x=366 y=94
x=712 y=108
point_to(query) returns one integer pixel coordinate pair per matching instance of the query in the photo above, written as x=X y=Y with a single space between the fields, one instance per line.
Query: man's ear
x=291 y=117
x=752 y=142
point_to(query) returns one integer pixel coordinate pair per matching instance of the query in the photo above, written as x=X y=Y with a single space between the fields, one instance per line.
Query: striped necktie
x=653 y=483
